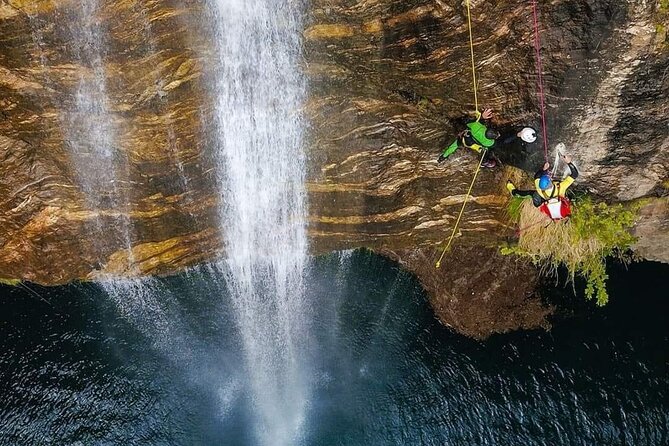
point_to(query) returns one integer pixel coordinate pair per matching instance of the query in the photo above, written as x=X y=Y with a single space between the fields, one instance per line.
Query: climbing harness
x=475 y=147
x=556 y=208
x=483 y=150
x=540 y=81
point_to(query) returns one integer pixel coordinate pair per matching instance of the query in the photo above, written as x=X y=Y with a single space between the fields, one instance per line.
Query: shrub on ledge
x=581 y=243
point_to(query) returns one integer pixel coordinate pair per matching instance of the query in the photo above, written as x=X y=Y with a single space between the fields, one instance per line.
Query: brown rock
x=652 y=230
x=390 y=86
x=477 y=291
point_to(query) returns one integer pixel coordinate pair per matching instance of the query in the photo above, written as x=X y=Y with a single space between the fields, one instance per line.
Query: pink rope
x=537 y=48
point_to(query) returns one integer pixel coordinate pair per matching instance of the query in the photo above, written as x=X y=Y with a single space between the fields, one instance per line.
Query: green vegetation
x=423 y=103
x=10 y=282
x=661 y=32
x=582 y=243
x=515 y=208
x=661 y=20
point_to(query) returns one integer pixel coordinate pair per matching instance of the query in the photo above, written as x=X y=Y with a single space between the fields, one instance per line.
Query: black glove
x=441 y=158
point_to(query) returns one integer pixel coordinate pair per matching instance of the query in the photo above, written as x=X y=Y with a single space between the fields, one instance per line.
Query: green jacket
x=476 y=140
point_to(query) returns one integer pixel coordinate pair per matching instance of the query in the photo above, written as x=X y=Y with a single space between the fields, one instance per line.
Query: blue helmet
x=545 y=182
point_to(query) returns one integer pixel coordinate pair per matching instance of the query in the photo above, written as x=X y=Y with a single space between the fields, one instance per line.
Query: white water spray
x=91 y=130
x=560 y=149
x=260 y=92
x=37 y=34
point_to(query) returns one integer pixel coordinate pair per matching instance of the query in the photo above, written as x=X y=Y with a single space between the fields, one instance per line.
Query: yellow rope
x=462 y=210
x=471 y=50
x=476 y=103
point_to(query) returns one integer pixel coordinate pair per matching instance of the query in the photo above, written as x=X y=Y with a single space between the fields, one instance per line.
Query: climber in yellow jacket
x=549 y=195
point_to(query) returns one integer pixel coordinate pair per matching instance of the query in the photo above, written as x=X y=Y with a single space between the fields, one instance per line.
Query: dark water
x=84 y=369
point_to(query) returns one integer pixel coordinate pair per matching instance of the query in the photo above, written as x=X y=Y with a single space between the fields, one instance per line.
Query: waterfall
x=90 y=130
x=261 y=168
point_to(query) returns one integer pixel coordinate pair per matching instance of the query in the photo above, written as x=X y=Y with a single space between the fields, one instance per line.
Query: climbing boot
x=489 y=163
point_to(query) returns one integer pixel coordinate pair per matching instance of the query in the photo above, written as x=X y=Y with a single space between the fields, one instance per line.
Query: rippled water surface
x=77 y=369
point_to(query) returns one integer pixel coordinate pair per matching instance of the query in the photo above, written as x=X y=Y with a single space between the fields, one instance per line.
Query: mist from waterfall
x=261 y=169
x=37 y=35
x=90 y=129
x=259 y=92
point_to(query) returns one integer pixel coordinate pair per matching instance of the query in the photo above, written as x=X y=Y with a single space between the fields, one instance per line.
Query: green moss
x=423 y=103
x=514 y=208
x=661 y=23
x=661 y=32
x=595 y=232
x=10 y=282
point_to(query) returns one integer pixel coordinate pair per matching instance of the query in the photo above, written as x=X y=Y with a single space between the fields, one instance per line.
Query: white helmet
x=528 y=134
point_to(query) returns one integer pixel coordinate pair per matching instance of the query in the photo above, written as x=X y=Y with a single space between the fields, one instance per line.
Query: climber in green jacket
x=477 y=137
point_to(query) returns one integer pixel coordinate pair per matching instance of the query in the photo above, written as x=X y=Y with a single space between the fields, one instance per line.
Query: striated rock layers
x=160 y=198
x=390 y=84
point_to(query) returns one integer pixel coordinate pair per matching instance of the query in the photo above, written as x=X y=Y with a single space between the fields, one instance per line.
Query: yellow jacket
x=559 y=188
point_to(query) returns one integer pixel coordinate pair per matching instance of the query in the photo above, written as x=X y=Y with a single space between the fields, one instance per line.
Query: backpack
x=556 y=208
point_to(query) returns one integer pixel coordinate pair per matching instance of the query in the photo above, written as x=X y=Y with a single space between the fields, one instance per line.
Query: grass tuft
x=514 y=209
x=581 y=243
x=10 y=282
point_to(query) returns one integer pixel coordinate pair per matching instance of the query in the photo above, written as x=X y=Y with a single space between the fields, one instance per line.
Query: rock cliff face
x=390 y=85
x=159 y=200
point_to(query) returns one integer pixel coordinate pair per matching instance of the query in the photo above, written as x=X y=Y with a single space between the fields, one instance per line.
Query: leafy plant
x=582 y=243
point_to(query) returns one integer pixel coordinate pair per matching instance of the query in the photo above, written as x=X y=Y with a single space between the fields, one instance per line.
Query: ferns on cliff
x=582 y=243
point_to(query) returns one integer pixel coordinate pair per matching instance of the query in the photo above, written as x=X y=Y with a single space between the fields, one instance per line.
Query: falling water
x=260 y=92
x=90 y=126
